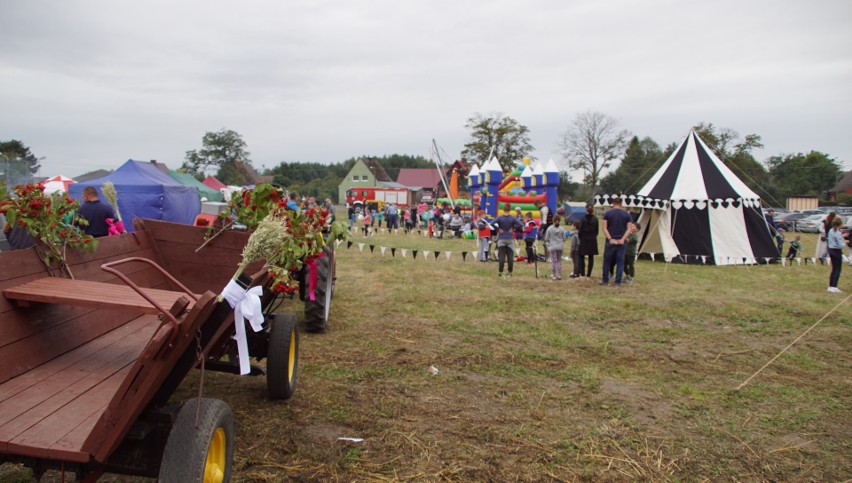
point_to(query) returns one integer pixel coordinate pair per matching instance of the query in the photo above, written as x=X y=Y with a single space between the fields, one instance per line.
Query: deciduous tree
x=592 y=143
x=496 y=135
x=641 y=160
x=17 y=163
x=804 y=174
x=221 y=150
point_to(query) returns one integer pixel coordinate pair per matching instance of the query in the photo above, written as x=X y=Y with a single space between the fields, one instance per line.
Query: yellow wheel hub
x=214 y=469
x=291 y=359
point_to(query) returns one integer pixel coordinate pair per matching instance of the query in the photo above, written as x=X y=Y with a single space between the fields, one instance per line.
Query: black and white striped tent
x=695 y=210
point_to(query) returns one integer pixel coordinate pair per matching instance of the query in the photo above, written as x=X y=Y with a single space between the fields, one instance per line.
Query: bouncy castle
x=521 y=188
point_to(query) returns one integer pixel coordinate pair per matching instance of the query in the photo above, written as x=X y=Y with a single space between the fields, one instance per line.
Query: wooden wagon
x=88 y=366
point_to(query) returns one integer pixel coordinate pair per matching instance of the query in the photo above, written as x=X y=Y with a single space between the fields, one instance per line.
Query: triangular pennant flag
x=396 y=231
x=382 y=249
x=404 y=251
x=517 y=252
x=783 y=262
x=704 y=259
x=425 y=254
x=414 y=252
x=372 y=247
x=813 y=260
x=447 y=254
x=361 y=247
x=382 y=230
x=798 y=261
x=393 y=251
x=349 y=244
x=337 y=243
x=766 y=260
x=652 y=256
x=436 y=254
x=464 y=256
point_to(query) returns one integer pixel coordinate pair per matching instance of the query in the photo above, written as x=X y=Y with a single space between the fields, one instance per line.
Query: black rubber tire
x=317 y=311
x=185 y=454
x=282 y=356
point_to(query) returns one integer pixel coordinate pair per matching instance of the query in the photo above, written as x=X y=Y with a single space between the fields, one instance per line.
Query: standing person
x=393 y=217
x=483 y=226
x=616 y=229
x=506 y=226
x=530 y=236
x=630 y=254
x=835 y=244
x=546 y=220
x=368 y=222
x=329 y=206
x=554 y=240
x=822 y=241
x=576 y=258
x=96 y=213
x=350 y=211
x=588 y=231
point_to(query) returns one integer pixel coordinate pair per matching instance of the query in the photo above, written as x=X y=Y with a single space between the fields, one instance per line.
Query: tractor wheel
x=282 y=357
x=205 y=453
x=317 y=311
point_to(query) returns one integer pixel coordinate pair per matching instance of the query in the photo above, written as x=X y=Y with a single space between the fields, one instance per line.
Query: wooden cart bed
x=81 y=359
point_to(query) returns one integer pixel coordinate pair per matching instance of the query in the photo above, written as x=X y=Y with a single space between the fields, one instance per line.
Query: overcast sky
x=90 y=84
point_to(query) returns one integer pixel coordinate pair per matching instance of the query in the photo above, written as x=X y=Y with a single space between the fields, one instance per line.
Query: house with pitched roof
x=365 y=173
x=844 y=186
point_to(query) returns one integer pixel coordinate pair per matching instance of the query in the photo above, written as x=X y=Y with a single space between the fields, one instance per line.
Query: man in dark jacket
x=95 y=212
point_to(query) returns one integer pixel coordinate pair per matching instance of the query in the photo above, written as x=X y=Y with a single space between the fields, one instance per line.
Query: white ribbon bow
x=246 y=305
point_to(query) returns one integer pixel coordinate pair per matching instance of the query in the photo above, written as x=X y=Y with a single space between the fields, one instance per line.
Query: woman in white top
x=822 y=246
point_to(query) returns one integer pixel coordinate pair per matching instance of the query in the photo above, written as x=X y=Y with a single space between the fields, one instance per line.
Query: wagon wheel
x=202 y=454
x=317 y=311
x=282 y=356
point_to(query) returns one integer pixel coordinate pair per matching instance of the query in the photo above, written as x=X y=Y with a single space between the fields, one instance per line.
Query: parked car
x=788 y=221
x=810 y=224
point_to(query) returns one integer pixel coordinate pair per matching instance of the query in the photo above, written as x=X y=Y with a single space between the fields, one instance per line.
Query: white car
x=810 y=224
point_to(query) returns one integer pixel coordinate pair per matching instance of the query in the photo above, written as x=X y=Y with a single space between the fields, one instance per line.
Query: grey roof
x=393 y=184
x=844 y=184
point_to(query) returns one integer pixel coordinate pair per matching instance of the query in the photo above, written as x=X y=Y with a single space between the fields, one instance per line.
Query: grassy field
x=451 y=374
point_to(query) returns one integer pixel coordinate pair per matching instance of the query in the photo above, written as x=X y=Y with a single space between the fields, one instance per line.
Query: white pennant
x=798 y=260
x=396 y=231
x=425 y=254
x=382 y=230
x=403 y=251
x=652 y=257
x=337 y=243
x=447 y=254
x=517 y=252
x=361 y=247
x=382 y=249
x=704 y=259
x=814 y=261
x=783 y=262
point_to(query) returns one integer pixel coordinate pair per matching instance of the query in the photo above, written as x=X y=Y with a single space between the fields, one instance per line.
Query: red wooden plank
x=27 y=388
x=25 y=354
x=37 y=440
x=90 y=294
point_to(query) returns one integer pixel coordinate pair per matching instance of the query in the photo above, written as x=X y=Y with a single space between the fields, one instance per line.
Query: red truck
x=399 y=196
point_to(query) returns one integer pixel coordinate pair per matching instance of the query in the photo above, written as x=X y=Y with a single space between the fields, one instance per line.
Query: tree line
x=610 y=159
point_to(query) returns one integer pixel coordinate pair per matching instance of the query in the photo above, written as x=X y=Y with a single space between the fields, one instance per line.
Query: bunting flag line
x=680 y=258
